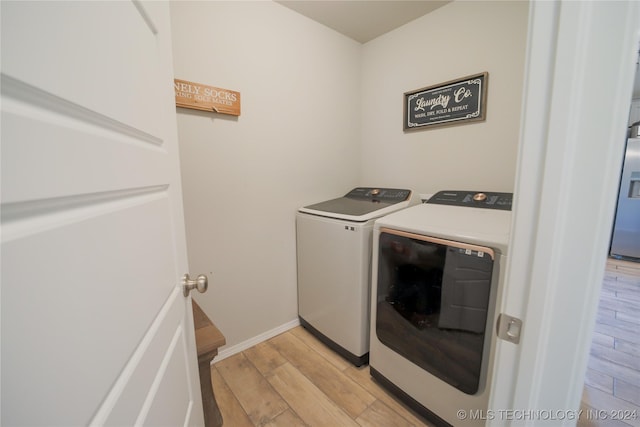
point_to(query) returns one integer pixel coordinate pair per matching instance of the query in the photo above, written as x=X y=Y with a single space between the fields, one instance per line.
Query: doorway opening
x=612 y=381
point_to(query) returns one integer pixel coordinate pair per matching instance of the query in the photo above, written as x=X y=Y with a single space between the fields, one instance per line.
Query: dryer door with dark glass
x=432 y=302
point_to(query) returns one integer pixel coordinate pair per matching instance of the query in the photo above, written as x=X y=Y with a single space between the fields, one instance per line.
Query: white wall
x=459 y=39
x=295 y=143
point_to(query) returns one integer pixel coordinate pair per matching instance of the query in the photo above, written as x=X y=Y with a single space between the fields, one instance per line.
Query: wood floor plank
x=630 y=295
x=599 y=380
x=632 y=273
x=621 y=286
x=334 y=358
x=379 y=414
x=362 y=376
x=626 y=317
x=609 y=289
x=628 y=347
x=619 y=267
x=285 y=419
x=624 y=276
x=232 y=412
x=618 y=329
x=264 y=357
x=346 y=393
x=628 y=392
x=615 y=370
x=619 y=304
x=603 y=340
x=607 y=312
x=307 y=400
x=261 y=403
x=615 y=356
x=603 y=401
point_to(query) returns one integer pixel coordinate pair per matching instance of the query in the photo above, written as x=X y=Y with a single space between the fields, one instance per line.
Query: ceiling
x=363 y=20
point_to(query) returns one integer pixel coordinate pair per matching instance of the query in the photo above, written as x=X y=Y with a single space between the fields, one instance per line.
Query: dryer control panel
x=473 y=199
x=387 y=195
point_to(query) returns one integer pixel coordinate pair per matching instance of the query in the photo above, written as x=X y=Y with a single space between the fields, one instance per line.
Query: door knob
x=201 y=284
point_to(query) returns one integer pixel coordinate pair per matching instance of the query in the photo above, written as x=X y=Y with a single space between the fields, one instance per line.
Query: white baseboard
x=228 y=352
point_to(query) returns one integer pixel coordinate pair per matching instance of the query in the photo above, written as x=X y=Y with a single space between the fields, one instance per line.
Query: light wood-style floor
x=612 y=382
x=294 y=380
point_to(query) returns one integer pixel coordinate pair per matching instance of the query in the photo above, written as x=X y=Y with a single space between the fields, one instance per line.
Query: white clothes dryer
x=438 y=270
x=333 y=241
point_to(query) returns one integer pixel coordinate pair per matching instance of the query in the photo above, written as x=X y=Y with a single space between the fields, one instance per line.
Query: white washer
x=334 y=266
x=438 y=270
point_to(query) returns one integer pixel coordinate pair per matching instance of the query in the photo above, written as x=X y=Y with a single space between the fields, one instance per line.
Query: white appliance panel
x=485 y=227
x=334 y=261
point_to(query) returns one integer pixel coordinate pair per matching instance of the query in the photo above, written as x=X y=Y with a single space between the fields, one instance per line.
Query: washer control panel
x=387 y=195
x=473 y=199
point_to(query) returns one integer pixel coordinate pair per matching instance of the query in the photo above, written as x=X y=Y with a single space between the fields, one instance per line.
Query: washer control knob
x=479 y=197
x=375 y=191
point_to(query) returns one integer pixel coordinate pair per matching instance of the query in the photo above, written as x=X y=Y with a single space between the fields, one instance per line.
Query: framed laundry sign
x=206 y=98
x=454 y=102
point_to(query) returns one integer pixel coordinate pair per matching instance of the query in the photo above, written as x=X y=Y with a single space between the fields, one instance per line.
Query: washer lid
x=362 y=204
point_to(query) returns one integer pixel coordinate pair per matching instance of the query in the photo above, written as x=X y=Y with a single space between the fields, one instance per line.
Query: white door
x=95 y=329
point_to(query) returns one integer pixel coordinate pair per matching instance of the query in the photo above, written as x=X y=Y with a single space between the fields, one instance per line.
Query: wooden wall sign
x=206 y=98
x=445 y=104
